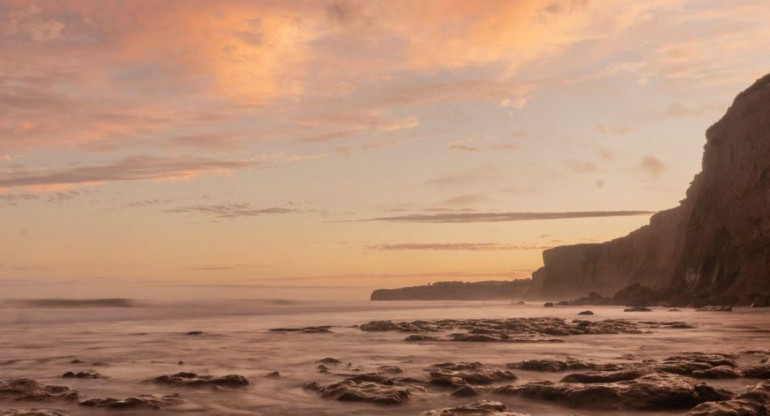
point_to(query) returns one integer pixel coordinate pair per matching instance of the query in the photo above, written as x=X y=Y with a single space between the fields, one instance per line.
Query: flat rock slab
x=362 y=391
x=194 y=380
x=142 y=401
x=755 y=402
x=479 y=408
x=659 y=391
x=24 y=389
x=550 y=365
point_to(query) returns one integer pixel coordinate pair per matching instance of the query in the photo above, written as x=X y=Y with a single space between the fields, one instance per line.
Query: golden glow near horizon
x=327 y=148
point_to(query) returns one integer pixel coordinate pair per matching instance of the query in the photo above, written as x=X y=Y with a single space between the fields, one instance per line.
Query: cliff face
x=716 y=243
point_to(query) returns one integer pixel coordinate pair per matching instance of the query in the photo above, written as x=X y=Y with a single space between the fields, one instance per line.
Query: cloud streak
x=474 y=217
x=234 y=210
x=455 y=247
x=128 y=169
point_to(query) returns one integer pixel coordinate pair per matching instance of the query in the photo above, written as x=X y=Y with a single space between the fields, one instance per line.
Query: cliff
x=715 y=245
x=488 y=290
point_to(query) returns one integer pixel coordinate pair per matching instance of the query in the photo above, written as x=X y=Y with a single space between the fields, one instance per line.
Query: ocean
x=130 y=344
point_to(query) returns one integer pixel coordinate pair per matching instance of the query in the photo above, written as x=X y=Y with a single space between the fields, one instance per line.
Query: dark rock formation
x=465 y=391
x=657 y=391
x=755 y=402
x=29 y=412
x=715 y=308
x=362 y=391
x=637 y=309
x=457 y=291
x=82 y=374
x=549 y=365
x=458 y=374
x=24 y=389
x=274 y=374
x=586 y=313
x=195 y=380
x=305 y=330
x=757 y=371
x=141 y=401
x=479 y=408
x=713 y=248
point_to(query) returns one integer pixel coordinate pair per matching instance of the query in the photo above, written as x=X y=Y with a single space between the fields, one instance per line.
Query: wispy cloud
x=472 y=217
x=233 y=210
x=455 y=247
x=129 y=169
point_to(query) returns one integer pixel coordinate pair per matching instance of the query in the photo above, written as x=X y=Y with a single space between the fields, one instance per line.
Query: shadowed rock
x=586 y=313
x=141 y=401
x=362 y=391
x=421 y=338
x=657 y=391
x=688 y=364
x=755 y=402
x=329 y=360
x=604 y=376
x=29 y=412
x=458 y=374
x=305 y=330
x=274 y=374
x=193 y=333
x=637 y=309
x=24 y=389
x=548 y=305
x=720 y=371
x=82 y=374
x=194 y=380
x=479 y=408
x=757 y=371
x=715 y=308
x=558 y=365
x=465 y=391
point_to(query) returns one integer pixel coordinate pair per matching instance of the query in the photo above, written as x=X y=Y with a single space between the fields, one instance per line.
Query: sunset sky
x=321 y=149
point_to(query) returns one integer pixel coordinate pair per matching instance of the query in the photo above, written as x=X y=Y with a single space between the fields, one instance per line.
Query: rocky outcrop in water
x=479 y=408
x=755 y=402
x=657 y=391
x=195 y=380
x=713 y=248
x=23 y=389
x=141 y=401
x=487 y=290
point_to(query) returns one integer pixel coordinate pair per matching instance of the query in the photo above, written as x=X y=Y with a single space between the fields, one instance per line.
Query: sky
x=322 y=149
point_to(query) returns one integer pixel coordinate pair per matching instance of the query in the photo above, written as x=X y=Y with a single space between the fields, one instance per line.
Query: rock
x=362 y=391
x=720 y=371
x=23 y=389
x=637 y=309
x=305 y=330
x=29 y=412
x=761 y=302
x=479 y=408
x=586 y=313
x=421 y=338
x=657 y=391
x=757 y=371
x=715 y=308
x=548 y=305
x=604 y=376
x=487 y=290
x=329 y=360
x=712 y=246
x=76 y=361
x=194 y=333
x=274 y=374
x=180 y=362
x=82 y=374
x=558 y=365
x=455 y=377
x=379 y=326
x=465 y=391
x=185 y=379
x=390 y=369
x=141 y=401
x=752 y=403
x=765 y=360
x=322 y=368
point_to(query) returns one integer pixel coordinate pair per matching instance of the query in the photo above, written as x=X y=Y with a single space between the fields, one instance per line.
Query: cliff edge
x=715 y=245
